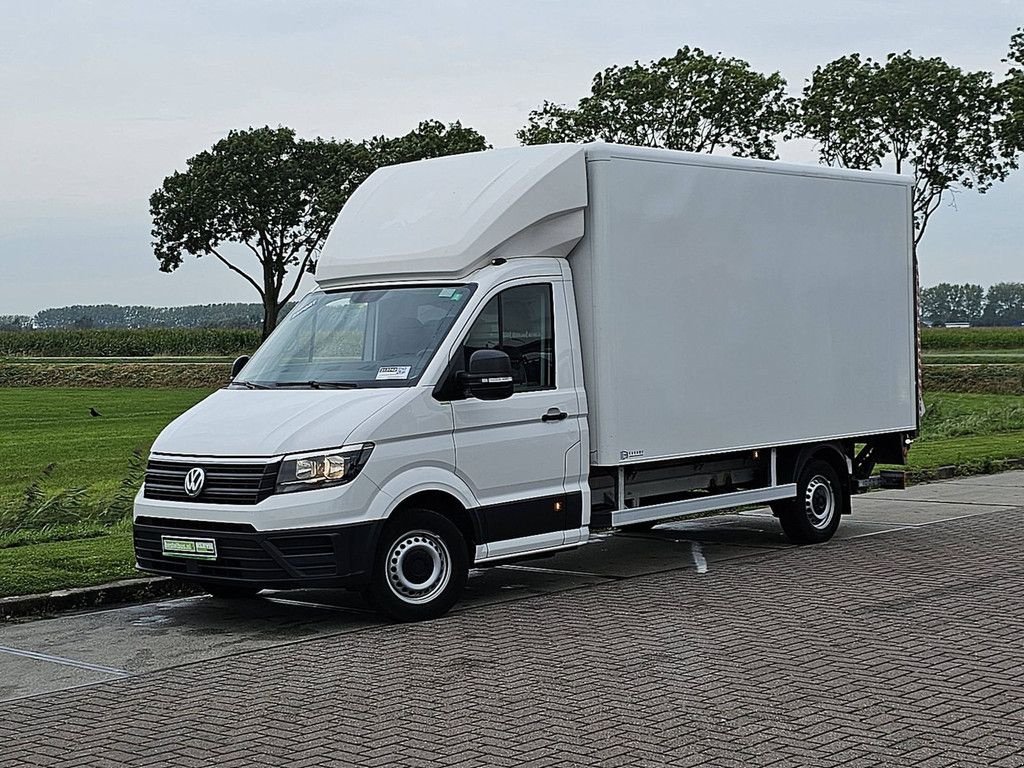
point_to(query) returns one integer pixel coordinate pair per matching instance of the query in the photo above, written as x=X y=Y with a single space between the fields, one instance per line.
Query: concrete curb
x=102 y=595
x=953 y=471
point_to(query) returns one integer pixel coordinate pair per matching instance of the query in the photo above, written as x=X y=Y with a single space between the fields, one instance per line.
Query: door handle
x=554 y=414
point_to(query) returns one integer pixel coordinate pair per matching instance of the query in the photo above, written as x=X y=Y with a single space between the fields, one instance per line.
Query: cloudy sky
x=100 y=100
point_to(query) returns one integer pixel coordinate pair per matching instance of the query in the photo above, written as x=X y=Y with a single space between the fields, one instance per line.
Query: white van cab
x=509 y=349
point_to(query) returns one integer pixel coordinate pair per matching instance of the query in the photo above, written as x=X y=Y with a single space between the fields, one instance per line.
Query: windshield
x=381 y=337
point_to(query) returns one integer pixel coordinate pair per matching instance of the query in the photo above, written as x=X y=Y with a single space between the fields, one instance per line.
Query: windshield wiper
x=249 y=385
x=317 y=384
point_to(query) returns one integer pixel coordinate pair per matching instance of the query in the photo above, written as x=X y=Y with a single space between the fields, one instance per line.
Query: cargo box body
x=732 y=304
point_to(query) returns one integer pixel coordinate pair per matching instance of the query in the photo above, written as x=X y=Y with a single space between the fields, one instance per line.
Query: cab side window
x=519 y=322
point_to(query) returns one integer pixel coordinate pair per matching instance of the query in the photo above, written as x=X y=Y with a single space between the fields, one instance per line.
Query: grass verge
x=115 y=375
x=979 y=379
x=35 y=568
x=970 y=430
x=999 y=356
x=971 y=455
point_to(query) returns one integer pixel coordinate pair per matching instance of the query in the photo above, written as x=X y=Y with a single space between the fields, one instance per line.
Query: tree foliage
x=692 y=101
x=264 y=191
x=948 y=303
x=913 y=115
x=432 y=138
x=1004 y=304
x=15 y=322
x=1013 y=92
x=236 y=315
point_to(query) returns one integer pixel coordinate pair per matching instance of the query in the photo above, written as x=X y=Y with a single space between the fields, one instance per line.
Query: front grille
x=193 y=525
x=225 y=483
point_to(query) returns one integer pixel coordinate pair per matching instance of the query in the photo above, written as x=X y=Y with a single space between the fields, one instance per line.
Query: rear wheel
x=813 y=516
x=420 y=568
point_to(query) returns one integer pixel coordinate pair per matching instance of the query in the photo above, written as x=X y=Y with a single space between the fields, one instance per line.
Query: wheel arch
x=447 y=505
x=839 y=455
x=433 y=489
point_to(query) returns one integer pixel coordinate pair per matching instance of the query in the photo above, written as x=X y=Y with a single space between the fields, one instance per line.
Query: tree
x=15 y=323
x=1012 y=128
x=276 y=196
x=971 y=304
x=264 y=190
x=432 y=138
x=947 y=303
x=692 y=101
x=913 y=115
x=1013 y=91
x=1004 y=304
x=920 y=115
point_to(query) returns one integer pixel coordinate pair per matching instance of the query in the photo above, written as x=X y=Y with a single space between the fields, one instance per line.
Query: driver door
x=512 y=453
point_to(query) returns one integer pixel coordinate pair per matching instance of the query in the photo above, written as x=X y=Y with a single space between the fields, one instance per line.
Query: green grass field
x=53 y=426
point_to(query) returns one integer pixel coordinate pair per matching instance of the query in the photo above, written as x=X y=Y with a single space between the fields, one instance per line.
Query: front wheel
x=813 y=516
x=420 y=568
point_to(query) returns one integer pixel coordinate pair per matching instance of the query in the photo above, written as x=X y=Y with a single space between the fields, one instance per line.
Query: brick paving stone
x=902 y=649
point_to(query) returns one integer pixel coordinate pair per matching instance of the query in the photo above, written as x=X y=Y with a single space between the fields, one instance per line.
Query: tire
x=229 y=591
x=420 y=568
x=813 y=516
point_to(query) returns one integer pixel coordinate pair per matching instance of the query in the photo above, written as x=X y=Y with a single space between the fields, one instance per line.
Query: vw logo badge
x=194 y=481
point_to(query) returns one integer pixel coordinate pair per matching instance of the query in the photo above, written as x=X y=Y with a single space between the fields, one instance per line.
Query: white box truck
x=509 y=349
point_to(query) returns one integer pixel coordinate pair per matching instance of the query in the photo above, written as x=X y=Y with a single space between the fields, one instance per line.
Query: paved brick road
x=904 y=649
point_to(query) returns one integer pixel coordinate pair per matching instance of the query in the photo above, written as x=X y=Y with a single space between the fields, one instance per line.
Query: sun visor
x=448 y=216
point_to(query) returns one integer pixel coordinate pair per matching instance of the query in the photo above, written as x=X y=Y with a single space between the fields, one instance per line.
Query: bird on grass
x=94 y=413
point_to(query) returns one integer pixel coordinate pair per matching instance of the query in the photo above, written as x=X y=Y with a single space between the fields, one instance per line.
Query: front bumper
x=335 y=556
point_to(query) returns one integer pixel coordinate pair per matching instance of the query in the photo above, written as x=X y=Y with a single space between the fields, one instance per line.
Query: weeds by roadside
x=41 y=516
x=952 y=415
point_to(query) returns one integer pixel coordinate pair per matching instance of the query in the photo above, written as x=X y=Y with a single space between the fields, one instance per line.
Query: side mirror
x=489 y=376
x=238 y=365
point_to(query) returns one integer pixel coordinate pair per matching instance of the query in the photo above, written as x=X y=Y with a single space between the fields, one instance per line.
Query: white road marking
x=993 y=504
x=884 y=530
x=65 y=662
x=322 y=606
x=698 y=557
x=553 y=570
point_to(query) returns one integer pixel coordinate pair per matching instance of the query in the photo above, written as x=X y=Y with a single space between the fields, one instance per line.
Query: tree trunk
x=271 y=293
x=270 y=314
x=919 y=371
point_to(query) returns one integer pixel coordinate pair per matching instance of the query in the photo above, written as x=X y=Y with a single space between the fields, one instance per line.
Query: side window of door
x=519 y=322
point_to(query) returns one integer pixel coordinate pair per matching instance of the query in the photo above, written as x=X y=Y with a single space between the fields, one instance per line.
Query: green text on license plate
x=179 y=546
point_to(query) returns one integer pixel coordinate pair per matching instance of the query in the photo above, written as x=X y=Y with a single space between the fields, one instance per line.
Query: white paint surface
x=698 y=557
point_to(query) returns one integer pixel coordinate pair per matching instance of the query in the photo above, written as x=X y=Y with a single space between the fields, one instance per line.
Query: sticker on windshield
x=446 y=293
x=393 y=372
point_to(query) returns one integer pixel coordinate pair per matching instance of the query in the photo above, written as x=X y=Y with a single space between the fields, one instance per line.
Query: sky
x=99 y=101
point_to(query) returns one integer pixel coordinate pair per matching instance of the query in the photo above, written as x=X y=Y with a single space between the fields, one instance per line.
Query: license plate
x=180 y=546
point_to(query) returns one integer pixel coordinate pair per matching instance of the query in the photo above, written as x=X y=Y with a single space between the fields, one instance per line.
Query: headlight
x=307 y=471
